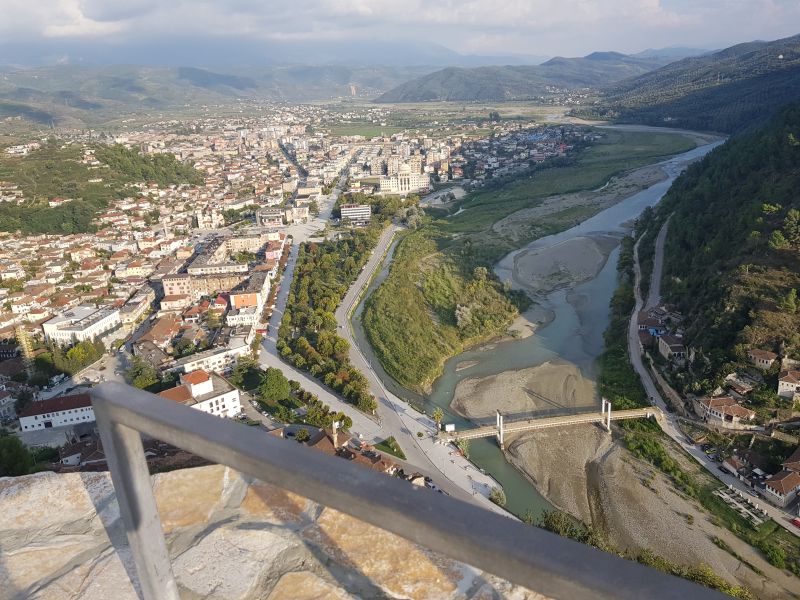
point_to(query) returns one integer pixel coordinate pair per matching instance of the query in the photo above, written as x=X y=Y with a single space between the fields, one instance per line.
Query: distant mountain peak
x=606 y=56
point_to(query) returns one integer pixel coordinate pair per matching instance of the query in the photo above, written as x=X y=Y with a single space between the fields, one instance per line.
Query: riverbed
x=571 y=276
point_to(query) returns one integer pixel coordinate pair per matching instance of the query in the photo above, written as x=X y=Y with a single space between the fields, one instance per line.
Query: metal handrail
x=528 y=556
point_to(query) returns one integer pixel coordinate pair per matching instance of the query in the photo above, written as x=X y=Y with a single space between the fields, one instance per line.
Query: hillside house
x=723 y=411
x=782 y=488
x=789 y=383
x=671 y=347
x=763 y=359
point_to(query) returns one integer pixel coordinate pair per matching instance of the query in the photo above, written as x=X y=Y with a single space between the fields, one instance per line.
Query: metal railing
x=524 y=555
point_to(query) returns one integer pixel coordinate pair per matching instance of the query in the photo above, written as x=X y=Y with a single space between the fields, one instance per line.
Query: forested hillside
x=724 y=91
x=732 y=261
x=56 y=170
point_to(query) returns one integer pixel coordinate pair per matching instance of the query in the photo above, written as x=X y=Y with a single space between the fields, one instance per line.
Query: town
x=180 y=287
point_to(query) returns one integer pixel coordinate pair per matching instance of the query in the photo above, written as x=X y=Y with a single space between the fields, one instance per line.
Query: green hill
x=722 y=91
x=503 y=83
x=56 y=170
x=733 y=252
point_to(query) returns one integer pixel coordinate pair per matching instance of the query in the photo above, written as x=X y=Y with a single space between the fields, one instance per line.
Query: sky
x=132 y=31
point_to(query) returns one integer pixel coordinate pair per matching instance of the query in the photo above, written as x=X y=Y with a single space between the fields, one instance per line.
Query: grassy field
x=368 y=130
x=431 y=307
x=618 y=151
x=390 y=446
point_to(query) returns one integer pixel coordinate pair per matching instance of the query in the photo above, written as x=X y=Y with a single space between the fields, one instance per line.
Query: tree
x=789 y=303
x=777 y=241
x=303 y=435
x=463 y=445
x=498 y=496
x=142 y=374
x=494 y=116
x=438 y=415
x=24 y=398
x=791 y=227
x=274 y=385
x=184 y=347
x=15 y=459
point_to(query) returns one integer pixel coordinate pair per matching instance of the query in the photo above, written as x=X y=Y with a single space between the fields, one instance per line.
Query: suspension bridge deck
x=510 y=427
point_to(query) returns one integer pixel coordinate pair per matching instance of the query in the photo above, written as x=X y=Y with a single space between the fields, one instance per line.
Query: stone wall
x=229 y=537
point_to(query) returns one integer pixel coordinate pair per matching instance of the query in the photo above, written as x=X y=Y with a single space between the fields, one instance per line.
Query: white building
x=724 y=411
x=207 y=392
x=405 y=182
x=356 y=214
x=218 y=360
x=80 y=324
x=789 y=384
x=57 y=412
x=783 y=487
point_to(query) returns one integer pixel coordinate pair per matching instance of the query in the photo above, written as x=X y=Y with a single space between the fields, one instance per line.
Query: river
x=580 y=315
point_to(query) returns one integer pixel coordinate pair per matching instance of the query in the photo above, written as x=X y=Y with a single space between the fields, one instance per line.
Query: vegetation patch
x=436 y=302
x=390 y=446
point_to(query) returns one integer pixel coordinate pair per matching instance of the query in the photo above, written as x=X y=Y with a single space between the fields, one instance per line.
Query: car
x=796 y=522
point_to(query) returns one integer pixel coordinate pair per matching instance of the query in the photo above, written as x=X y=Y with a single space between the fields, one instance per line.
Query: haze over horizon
x=247 y=32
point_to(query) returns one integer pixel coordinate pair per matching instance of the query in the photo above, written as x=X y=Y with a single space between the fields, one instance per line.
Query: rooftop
x=60 y=403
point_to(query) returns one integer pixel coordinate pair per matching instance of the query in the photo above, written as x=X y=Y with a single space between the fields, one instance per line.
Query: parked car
x=796 y=522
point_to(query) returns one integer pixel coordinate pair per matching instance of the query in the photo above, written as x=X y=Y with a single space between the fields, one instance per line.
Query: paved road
x=669 y=422
x=654 y=292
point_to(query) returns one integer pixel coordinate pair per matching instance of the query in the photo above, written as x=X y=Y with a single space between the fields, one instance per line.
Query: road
x=669 y=421
x=654 y=291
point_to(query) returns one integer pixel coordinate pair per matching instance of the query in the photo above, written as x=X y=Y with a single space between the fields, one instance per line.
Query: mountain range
x=502 y=83
x=68 y=94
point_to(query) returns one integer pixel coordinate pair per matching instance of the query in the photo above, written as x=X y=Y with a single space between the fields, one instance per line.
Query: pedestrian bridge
x=501 y=428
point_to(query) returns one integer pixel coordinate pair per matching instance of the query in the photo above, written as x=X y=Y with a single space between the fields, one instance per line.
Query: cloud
x=566 y=27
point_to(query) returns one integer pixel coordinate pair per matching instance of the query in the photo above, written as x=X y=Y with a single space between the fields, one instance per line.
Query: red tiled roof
x=179 y=393
x=790 y=376
x=195 y=377
x=57 y=404
x=784 y=482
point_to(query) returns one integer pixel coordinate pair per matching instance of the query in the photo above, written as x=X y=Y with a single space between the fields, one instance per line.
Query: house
x=671 y=348
x=789 y=383
x=763 y=359
x=782 y=487
x=7 y=402
x=793 y=462
x=207 y=392
x=723 y=411
x=57 y=412
x=651 y=325
x=734 y=464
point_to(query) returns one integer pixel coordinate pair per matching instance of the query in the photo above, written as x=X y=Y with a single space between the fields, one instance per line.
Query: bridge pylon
x=606 y=412
x=500 y=436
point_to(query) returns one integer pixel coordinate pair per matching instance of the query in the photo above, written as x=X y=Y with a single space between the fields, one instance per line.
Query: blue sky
x=83 y=30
